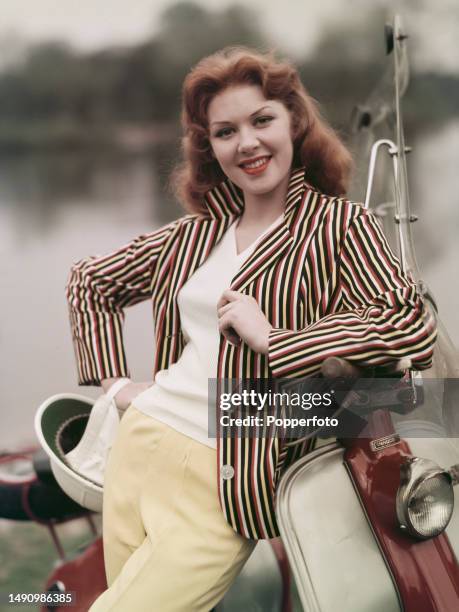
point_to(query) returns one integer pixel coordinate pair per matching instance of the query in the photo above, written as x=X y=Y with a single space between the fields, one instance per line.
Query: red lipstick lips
x=256 y=165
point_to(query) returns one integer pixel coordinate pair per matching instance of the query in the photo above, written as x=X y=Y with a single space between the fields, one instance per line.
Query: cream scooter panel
x=330 y=544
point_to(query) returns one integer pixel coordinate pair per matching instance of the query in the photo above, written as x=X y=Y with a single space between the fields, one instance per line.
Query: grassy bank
x=28 y=556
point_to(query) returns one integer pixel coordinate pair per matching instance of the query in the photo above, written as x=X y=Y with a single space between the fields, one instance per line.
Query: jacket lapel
x=199 y=235
x=196 y=240
x=278 y=240
x=271 y=248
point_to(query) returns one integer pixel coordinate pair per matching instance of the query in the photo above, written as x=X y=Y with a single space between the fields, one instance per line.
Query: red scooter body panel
x=84 y=575
x=426 y=573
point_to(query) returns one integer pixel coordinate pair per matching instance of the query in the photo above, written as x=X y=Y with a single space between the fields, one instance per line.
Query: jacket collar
x=225 y=200
x=224 y=205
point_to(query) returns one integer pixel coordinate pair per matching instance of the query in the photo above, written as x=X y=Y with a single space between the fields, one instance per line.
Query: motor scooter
x=370 y=522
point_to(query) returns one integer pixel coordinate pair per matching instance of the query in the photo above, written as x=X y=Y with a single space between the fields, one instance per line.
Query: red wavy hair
x=316 y=145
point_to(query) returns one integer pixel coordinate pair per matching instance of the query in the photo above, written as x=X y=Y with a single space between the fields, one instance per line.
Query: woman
x=266 y=277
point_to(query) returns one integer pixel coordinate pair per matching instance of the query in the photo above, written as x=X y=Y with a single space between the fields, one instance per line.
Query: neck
x=264 y=208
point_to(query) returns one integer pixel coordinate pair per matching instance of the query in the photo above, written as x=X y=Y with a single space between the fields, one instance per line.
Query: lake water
x=57 y=209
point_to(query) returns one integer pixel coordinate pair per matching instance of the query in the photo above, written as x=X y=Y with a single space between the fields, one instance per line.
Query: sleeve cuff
x=281 y=353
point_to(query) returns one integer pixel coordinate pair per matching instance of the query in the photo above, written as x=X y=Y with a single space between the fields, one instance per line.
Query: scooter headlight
x=425 y=498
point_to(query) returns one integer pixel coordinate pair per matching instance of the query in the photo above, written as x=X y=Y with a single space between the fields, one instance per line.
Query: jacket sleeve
x=380 y=318
x=98 y=290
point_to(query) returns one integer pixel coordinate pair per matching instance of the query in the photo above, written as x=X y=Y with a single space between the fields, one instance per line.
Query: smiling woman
x=236 y=78
x=251 y=139
x=312 y=277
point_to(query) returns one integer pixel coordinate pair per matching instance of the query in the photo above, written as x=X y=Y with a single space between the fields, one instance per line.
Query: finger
x=225 y=323
x=226 y=328
x=221 y=311
x=222 y=302
x=230 y=296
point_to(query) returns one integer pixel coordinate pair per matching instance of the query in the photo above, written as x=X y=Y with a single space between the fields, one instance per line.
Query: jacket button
x=227 y=472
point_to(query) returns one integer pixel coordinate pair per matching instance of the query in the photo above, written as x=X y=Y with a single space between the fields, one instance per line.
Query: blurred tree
x=346 y=63
x=96 y=94
x=64 y=93
x=188 y=32
x=49 y=77
x=135 y=90
x=12 y=49
x=138 y=84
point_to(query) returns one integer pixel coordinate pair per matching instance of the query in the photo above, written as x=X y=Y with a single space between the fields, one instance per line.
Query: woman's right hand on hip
x=126 y=394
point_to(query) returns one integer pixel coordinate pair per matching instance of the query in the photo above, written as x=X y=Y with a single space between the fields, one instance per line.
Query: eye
x=224 y=132
x=263 y=120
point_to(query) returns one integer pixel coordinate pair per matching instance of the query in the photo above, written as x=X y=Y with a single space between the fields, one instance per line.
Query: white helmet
x=76 y=433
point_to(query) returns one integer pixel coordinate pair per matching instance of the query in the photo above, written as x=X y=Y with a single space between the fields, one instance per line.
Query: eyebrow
x=251 y=115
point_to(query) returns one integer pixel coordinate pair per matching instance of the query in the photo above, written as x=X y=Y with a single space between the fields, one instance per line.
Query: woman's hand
x=125 y=396
x=240 y=318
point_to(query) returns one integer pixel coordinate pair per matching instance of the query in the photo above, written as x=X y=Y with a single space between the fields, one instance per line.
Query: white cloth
x=89 y=457
x=179 y=395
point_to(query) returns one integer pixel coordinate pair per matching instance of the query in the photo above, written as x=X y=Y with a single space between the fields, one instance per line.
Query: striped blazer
x=325 y=278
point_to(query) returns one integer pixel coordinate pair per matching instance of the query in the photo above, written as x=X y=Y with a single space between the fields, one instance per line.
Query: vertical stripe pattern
x=324 y=276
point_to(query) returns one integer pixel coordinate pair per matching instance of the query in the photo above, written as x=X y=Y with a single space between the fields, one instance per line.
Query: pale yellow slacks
x=167 y=545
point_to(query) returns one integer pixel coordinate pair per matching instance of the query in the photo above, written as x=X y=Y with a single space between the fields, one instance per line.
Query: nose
x=248 y=140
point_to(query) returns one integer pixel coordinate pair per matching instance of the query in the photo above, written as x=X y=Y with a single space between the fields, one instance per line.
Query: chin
x=263 y=184
x=257 y=181
x=261 y=189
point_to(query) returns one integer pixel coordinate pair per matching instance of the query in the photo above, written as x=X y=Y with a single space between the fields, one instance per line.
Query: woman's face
x=251 y=139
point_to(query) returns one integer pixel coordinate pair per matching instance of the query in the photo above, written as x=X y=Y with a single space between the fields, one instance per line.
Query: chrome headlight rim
x=415 y=472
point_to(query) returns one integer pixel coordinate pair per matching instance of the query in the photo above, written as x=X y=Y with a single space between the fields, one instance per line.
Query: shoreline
x=69 y=135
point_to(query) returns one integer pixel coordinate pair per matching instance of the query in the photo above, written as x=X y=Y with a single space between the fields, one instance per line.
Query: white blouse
x=179 y=395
